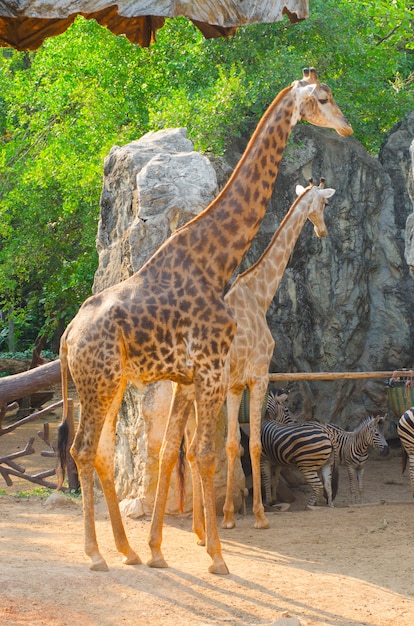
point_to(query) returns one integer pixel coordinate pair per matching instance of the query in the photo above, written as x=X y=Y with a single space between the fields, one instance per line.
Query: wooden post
x=72 y=472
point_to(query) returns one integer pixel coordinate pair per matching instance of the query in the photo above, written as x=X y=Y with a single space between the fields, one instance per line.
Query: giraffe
x=251 y=350
x=169 y=321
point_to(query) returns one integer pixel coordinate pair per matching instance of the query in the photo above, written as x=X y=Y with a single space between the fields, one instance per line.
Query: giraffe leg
x=232 y=452
x=104 y=465
x=181 y=403
x=84 y=457
x=257 y=394
x=208 y=408
x=198 y=505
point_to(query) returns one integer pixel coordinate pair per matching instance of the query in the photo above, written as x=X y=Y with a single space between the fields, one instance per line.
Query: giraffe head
x=316 y=199
x=317 y=105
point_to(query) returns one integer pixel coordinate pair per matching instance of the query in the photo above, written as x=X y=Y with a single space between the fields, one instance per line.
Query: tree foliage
x=64 y=106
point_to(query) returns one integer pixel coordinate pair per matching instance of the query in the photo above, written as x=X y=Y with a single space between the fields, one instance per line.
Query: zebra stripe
x=352 y=449
x=405 y=431
x=307 y=446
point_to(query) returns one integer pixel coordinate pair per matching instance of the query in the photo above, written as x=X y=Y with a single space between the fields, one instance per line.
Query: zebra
x=405 y=431
x=307 y=446
x=352 y=449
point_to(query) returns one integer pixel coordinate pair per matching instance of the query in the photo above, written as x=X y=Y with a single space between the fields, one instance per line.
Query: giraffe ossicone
x=170 y=321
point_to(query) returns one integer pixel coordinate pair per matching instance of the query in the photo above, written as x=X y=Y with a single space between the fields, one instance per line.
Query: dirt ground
x=348 y=566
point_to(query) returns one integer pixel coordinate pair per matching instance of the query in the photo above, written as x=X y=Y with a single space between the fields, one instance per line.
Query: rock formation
x=409 y=225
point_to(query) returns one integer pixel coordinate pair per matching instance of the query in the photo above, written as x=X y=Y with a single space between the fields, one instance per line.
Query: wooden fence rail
x=25 y=383
x=340 y=375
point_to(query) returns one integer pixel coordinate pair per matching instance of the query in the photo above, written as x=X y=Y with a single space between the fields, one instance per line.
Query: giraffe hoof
x=262 y=524
x=228 y=523
x=201 y=542
x=99 y=566
x=219 y=568
x=132 y=559
x=158 y=563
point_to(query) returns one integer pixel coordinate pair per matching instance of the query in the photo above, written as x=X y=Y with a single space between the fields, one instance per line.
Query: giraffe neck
x=217 y=239
x=263 y=278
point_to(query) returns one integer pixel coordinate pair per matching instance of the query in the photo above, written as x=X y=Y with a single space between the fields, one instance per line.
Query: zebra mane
x=367 y=421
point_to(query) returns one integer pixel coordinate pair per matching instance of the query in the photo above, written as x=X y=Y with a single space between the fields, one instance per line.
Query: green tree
x=64 y=106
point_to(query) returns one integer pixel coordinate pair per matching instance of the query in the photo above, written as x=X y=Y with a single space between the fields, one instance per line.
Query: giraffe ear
x=328 y=193
x=308 y=90
x=299 y=190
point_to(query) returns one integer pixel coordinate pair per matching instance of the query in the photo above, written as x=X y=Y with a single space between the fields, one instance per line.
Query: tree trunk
x=20 y=385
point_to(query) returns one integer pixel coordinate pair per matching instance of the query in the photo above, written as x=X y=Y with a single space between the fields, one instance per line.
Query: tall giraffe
x=169 y=321
x=252 y=347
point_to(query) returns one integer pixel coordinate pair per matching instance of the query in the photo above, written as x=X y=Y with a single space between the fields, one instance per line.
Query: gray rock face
x=409 y=225
x=345 y=302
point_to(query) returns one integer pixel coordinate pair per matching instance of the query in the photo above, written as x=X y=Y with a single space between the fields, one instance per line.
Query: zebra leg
x=266 y=475
x=313 y=480
x=352 y=483
x=326 y=472
x=275 y=481
x=411 y=466
x=360 y=477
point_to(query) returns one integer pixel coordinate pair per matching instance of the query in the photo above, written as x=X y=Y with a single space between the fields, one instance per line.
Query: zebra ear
x=282 y=397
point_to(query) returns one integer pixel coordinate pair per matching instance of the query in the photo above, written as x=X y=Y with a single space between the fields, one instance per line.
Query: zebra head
x=276 y=410
x=374 y=432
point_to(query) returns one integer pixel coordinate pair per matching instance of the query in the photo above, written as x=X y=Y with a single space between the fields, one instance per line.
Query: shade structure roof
x=25 y=24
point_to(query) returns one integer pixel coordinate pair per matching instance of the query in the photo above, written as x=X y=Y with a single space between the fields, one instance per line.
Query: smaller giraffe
x=252 y=348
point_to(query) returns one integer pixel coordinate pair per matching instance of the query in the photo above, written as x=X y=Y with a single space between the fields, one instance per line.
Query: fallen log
x=19 y=385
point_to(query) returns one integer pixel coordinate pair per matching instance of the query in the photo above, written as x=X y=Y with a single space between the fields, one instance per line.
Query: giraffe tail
x=63 y=430
x=181 y=476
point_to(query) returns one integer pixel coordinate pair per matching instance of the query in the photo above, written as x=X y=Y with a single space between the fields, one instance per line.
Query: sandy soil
x=348 y=566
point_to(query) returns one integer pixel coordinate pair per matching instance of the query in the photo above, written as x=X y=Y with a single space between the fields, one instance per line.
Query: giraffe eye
x=323 y=100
